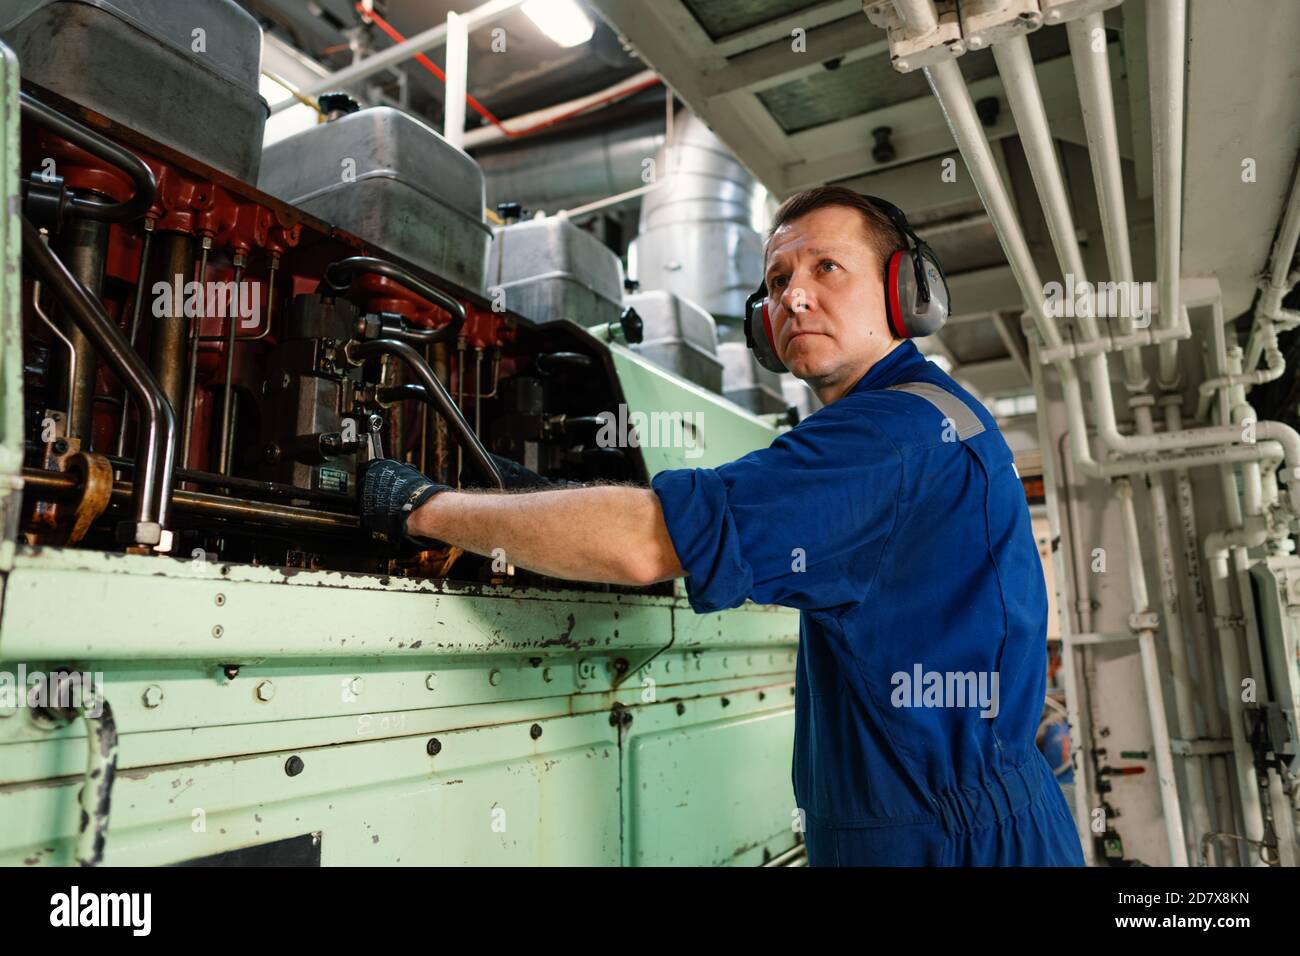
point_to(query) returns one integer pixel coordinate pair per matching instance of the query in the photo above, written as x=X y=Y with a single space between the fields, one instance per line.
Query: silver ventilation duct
x=699 y=236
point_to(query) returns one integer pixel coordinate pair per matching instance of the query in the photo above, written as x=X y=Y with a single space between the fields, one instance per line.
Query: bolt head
x=433 y=747
x=265 y=690
x=153 y=696
x=294 y=766
x=494 y=677
x=219 y=600
x=218 y=630
x=431 y=682
x=356 y=686
x=535 y=731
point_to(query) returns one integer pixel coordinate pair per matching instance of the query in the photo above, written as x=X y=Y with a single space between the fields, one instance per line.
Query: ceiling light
x=561 y=20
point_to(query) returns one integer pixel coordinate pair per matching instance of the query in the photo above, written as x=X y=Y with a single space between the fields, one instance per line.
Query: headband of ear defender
x=916 y=298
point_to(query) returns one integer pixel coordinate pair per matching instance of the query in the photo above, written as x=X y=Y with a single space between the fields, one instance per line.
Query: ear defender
x=916 y=294
x=758 y=331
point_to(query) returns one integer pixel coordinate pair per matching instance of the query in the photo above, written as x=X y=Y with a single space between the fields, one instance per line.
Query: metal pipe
x=339 y=276
x=1210 y=723
x=357 y=352
x=1175 y=638
x=1171 y=811
x=441 y=459
x=95 y=797
x=918 y=16
x=72 y=350
x=85 y=247
x=1016 y=67
x=59 y=484
x=425 y=40
x=228 y=391
x=192 y=373
x=157 y=443
x=954 y=98
x=1166 y=43
x=167 y=354
x=254 y=486
x=478 y=391
x=1092 y=76
x=457 y=72
x=146 y=187
x=460 y=396
x=134 y=331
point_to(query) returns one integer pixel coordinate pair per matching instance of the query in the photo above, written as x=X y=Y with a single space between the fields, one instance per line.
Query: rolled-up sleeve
x=800 y=523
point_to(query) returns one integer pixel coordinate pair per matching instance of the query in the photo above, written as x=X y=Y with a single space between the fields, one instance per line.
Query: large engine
x=182 y=327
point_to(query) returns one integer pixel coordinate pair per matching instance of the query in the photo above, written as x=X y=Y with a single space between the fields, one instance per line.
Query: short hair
x=882 y=235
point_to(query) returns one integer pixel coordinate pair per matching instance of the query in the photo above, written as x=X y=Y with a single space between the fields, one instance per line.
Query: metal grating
x=723 y=18
x=871 y=84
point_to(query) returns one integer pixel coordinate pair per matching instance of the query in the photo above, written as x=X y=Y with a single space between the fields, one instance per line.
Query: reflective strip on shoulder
x=950 y=406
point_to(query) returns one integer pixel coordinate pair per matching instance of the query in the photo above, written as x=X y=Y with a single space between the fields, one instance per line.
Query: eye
x=778 y=282
x=827 y=265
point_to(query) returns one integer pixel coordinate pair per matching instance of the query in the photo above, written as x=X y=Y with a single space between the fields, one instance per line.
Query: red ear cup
x=767 y=328
x=893 y=297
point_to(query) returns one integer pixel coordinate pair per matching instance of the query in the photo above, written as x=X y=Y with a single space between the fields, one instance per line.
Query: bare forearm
x=612 y=534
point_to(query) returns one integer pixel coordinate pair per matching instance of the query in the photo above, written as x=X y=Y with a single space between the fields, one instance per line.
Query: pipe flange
x=1144 y=400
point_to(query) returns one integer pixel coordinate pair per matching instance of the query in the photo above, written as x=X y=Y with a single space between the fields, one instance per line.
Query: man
x=892 y=518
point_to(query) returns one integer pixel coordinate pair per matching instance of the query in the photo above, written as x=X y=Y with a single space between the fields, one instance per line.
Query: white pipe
x=1218 y=547
x=425 y=40
x=457 y=70
x=1155 y=698
x=491 y=134
x=918 y=16
x=954 y=98
x=1016 y=67
x=1210 y=723
x=1264 y=338
x=1175 y=639
x=1066 y=578
x=1216 y=553
x=1166 y=44
x=1092 y=76
x=1108 y=343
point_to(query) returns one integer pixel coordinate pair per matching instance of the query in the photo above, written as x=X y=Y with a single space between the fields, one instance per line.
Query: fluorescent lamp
x=561 y=20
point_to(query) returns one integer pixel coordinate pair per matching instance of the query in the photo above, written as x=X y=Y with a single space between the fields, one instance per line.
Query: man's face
x=826 y=298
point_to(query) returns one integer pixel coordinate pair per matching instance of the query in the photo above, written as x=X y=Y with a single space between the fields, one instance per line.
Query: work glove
x=516 y=475
x=390 y=491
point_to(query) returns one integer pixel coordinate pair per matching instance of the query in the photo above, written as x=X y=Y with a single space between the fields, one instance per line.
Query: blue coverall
x=894 y=520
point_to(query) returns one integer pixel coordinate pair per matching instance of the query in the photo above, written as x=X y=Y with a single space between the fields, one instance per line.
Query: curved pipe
x=146 y=187
x=156 y=447
x=436 y=395
x=97 y=784
x=336 y=272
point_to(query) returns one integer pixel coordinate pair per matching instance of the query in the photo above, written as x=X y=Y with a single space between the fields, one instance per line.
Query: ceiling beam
x=782 y=27
x=779 y=62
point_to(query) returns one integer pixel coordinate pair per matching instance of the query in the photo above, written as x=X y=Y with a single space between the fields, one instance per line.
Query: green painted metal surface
x=571 y=728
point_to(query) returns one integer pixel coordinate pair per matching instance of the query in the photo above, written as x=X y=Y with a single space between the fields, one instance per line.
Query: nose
x=797 y=296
